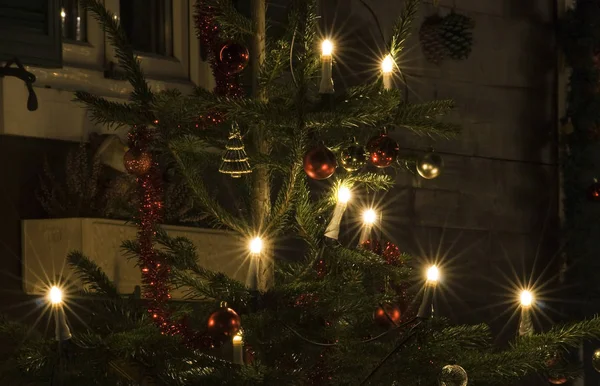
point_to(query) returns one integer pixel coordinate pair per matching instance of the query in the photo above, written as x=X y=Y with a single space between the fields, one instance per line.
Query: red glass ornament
x=387 y=315
x=137 y=162
x=593 y=191
x=319 y=162
x=383 y=150
x=389 y=251
x=224 y=321
x=557 y=380
x=233 y=58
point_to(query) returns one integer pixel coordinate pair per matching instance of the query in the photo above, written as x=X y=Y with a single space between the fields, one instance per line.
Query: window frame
x=87 y=54
x=174 y=67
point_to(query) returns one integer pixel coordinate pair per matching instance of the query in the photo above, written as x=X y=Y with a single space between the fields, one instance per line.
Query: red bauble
x=137 y=162
x=224 y=322
x=593 y=192
x=319 y=162
x=388 y=315
x=389 y=251
x=383 y=151
x=233 y=58
x=557 y=380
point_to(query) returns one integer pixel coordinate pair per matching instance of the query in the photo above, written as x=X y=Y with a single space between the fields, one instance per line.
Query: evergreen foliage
x=308 y=328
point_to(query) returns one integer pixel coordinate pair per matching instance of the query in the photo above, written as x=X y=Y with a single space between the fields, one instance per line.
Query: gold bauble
x=430 y=165
x=596 y=360
x=453 y=375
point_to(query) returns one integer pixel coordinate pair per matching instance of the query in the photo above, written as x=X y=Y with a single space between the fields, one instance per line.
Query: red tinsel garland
x=155 y=273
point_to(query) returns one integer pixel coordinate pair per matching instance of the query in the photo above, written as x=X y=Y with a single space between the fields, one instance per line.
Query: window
x=30 y=32
x=148 y=25
x=73 y=21
x=159 y=31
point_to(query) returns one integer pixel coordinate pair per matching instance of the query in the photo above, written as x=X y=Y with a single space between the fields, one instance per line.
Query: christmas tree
x=319 y=307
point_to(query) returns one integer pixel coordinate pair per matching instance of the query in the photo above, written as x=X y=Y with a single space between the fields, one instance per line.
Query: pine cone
x=457 y=35
x=432 y=42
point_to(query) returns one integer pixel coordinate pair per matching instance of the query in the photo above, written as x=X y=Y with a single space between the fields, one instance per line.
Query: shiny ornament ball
x=593 y=191
x=557 y=380
x=388 y=315
x=353 y=157
x=137 y=162
x=453 y=375
x=430 y=165
x=233 y=58
x=388 y=251
x=596 y=360
x=319 y=163
x=383 y=151
x=223 y=322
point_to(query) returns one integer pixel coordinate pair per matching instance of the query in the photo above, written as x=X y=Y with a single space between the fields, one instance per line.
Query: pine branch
x=403 y=27
x=232 y=24
x=111 y=114
x=429 y=127
x=141 y=94
x=370 y=181
x=91 y=275
x=217 y=213
x=284 y=203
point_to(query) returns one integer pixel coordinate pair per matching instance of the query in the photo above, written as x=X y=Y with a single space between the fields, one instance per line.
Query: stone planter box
x=46 y=244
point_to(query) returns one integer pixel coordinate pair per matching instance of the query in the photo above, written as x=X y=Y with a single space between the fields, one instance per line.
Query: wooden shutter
x=30 y=31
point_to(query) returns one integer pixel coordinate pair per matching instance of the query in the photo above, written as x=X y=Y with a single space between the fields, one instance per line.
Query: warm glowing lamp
x=526 y=298
x=369 y=217
x=433 y=274
x=387 y=68
x=256 y=245
x=344 y=194
x=55 y=295
x=326 y=47
x=526 y=327
x=326 y=86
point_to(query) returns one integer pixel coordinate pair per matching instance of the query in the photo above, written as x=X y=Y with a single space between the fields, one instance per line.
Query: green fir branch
x=91 y=275
x=232 y=24
x=402 y=28
x=210 y=206
x=117 y=37
x=112 y=114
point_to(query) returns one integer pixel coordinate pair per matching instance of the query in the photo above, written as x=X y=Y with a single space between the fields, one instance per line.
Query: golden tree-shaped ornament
x=235 y=160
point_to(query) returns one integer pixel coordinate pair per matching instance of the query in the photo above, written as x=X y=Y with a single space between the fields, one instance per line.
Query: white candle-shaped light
x=63 y=24
x=387 y=70
x=343 y=197
x=62 y=331
x=78 y=29
x=370 y=219
x=527 y=300
x=255 y=247
x=426 y=309
x=326 y=86
x=238 y=348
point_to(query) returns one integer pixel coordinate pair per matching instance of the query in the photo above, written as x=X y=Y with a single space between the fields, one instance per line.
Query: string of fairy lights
x=371 y=218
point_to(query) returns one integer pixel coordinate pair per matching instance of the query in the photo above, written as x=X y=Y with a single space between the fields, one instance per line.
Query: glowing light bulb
x=55 y=295
x=387 y=64
x=433 y=274
x=256 y=245
x=369 y=217
x=526 y=298
x=344 y=194
x=237 y=338
x=326 y=47
x=63 y=14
